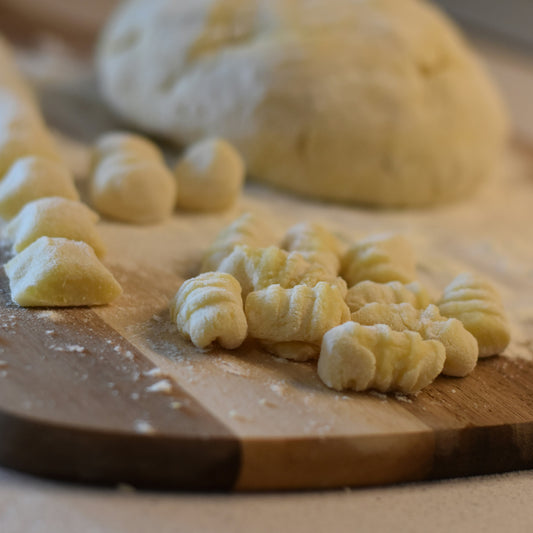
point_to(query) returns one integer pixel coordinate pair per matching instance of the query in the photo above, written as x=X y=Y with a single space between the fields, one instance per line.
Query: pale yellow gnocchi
x=249 y=229
x=477 y=304
x=380 y=258
x=460 y=345
x=359 y=357
x=208 y=309
x=258 y=268
x=299 y=316
x=54 y=217
x=316 y=244
x=393 y=292
x=31 y=178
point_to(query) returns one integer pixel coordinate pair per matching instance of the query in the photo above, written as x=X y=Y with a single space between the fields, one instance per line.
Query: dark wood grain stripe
x=75 y=403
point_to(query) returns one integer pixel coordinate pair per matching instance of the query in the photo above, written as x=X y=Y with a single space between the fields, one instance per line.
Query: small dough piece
x=249 y=229
x=460 y=345
x=316 y=244
x=380 y=258
x=301 y=314
x=133 y=188
x=477 y=304
x=57 y=272
x=119 y=142
x=359 y=357
x=210 y=176
x=292 y=350
x=31 y=178
x=209 y=308
x=393 y=292
x=55 y=217
x=258 y=268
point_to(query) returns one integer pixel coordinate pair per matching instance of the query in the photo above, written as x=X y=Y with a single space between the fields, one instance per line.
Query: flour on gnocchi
x=208 y=309
x=54 y=217
x=60 y=272
x=359 y=357
x=31 y=178
x=299 y=315
x=477 y=304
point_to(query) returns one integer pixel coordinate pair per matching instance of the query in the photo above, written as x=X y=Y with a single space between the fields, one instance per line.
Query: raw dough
x=210 y=176
x=133 y=188
x=370 y=101
x=209 y=308
x=60 y=272
x=376 y=357
x=55 y=217
x=34 y=177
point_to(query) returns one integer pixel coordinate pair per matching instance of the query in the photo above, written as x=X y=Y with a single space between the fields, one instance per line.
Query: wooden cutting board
x=114 y=395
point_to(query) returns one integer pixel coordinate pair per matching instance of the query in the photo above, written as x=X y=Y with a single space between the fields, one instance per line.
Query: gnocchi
x=249 y=229
x=54 y=217
x=316 y=244
x=460 y=345
x=208 y=309
x=130 y=186
x=60 y=272
x=258 y=268
x=393 y=292
x=300 y=315
x=359 y=357
x=476 y=303
x=380 y=258
x=31 y=178
x=210 y=175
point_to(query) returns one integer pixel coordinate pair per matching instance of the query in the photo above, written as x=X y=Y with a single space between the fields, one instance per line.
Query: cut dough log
x=31 y=178
x=57 y=272
x=55 y=217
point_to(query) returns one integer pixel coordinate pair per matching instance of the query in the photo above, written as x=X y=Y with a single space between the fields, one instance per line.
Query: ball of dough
x=55 y=217
x=210 y=176
x=31 y=178
x=375 y=101
x=60 y=272
x=136 y=190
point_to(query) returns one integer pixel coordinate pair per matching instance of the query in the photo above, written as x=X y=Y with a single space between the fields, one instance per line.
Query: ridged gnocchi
x=316 y=244
x=249 y=229
x=460 y=345
x=393 y=292
x=31 y=178
x=476 y=303
x=258 y=268
x=380 y=258
x=208 y=309
x=359 y=357
x=300 y=316
x=130 y=182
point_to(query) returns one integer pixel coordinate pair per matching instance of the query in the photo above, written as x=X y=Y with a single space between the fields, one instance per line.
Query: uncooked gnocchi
x=300 y=315
x=54 y=217
x=208 y=309
x=249 y=229
x=476 y=303
x=31 y=178
x=210 y=176
x=460 y=345
x=258 y=268
x=393 y=292
x=359 y=357
x=139 y=191
x=380 y=258
x=60 y=272
x=316 y=244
